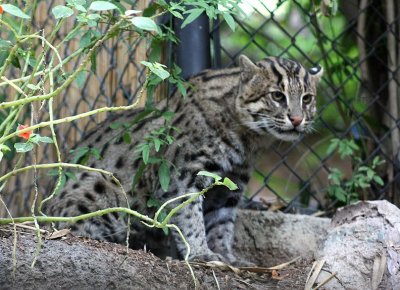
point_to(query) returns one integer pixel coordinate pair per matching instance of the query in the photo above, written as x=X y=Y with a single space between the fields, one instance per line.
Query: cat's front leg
x=190 y=221
x=219 y=215
x=219 y=225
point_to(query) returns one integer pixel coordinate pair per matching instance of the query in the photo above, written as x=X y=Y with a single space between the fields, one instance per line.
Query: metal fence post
x=193 y=50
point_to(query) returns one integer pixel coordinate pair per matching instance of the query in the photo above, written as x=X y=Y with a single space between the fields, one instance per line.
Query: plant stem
x=69 y=80
x=69 y=119
x=52 y=165
x=50 y=219
x=46 y=71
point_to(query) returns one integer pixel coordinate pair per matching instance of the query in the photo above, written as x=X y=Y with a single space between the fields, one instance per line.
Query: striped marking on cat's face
x=277 y=96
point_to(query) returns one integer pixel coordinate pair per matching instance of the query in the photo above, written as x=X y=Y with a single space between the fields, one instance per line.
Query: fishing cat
x=228 y=116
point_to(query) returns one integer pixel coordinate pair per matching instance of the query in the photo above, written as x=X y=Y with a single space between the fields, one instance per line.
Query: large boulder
x=362 y=247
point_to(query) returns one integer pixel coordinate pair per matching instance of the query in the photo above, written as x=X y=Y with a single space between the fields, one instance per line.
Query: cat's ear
x=316 y=73
x=248 y=68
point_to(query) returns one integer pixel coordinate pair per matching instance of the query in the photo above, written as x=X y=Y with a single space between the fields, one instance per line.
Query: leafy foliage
x=348 y=190
x=82 y=154
x=150 y=150
x=18 y=52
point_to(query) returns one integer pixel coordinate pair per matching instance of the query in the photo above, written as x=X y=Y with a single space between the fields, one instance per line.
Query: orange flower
x=26 y=134
x=1 y=10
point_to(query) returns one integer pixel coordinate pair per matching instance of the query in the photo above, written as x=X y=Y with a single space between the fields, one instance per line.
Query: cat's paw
x=243 y=263
x=238 y=262
x=209 y=256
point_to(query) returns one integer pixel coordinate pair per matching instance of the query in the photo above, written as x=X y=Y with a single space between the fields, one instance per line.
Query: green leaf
x=154 y=160
x=80 y=8
x=62 y=183
x=95 y=153
x=32 y=87
x=169 y=139
x=230 y=184
x=45 y=139
x=157 y=144
x=131 y=13
x=353 y=145
x=102 y=6
x=145 y=23
x=377 y=161
x=157 y=69
x=5 y=44
x=52 y=172
x=71 y=175
x=85 y=39
x=182 y=89
x=115 y=125
x=78 y=5
x=153 y=202
x=164 y=176
x=4 y=148
x=80 y=79
x=138 y=175
x=127 y=138
x=370 y=173
x=194 y=13
x=79 y=154
x=14 y=10
x=332 y=147
x=176 y=14
x=210 y=11
x=61 y=11
x=15 y=62
x=209 y=174
x=93 y=17
x=23 y=147
x=145 y=153
x=340 y=195
x=74 y=3
x=229 y=20
x=168 y=115
x=335 y=176
x=93 y=62
x=378 y=180
x=34 y=138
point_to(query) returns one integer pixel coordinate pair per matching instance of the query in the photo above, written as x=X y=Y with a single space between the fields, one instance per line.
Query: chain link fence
x=358 y=100
x=114 y=79
x=358 y=46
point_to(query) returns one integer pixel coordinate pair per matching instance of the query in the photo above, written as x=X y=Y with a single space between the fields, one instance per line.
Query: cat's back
x=114 y=145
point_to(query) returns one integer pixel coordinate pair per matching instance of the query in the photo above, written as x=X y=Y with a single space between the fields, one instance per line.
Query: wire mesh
x=114 y=81
x=354 y=97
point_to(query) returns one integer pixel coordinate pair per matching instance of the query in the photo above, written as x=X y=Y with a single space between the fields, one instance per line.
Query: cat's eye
x=307 y=99
x=278 y=96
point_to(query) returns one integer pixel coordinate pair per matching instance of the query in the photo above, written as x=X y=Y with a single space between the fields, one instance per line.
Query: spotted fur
x=226 y=118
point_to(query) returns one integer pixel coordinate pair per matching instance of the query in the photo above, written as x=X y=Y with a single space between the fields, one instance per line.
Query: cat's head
x=277 y=96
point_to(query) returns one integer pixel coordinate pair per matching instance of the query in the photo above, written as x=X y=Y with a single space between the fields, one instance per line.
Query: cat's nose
x=296 y=120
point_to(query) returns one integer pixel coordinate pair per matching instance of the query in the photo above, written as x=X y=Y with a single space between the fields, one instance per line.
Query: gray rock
x=270 y=238
x=363 y=247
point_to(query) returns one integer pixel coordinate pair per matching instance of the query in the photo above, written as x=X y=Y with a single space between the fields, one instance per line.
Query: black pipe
x=217 y=62
x=193 y=50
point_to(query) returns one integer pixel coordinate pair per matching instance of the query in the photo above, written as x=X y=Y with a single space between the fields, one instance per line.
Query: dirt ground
x=357 y=249
x=80 y=263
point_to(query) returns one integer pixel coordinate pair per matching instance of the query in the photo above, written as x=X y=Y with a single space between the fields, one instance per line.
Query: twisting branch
x=69 y=80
